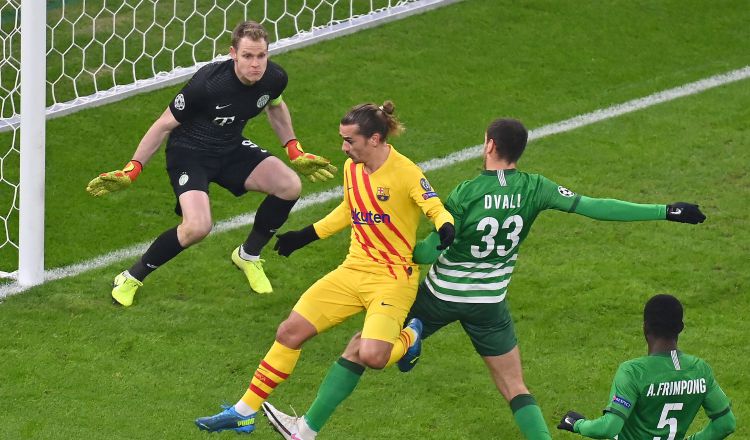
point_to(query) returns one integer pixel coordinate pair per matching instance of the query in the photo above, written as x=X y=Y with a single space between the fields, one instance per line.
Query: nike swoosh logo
x=219 y=107
x=414 y=360
x=384 y=304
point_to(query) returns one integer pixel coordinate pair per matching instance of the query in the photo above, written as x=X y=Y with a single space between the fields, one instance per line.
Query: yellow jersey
x=383 y=210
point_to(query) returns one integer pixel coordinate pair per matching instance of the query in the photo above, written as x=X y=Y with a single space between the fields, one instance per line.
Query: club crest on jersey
x=179 y=102
x=619 y=400
x=223 y=120
x=183 y=179
x=383 y=194
x=565 y=192
x=263 y=100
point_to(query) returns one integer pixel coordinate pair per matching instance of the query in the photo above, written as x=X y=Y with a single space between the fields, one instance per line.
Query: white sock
x=245 y=256
x=305 y=431
x=243 y=409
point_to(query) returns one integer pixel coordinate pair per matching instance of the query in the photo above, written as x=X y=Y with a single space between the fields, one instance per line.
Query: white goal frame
x=30 y=194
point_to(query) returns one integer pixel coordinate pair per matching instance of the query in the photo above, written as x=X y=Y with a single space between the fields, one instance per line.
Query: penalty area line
x=430 y=165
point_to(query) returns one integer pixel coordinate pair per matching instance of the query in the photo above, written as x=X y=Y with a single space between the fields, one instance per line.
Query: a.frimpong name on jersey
x=502 y=201
x=677 y=388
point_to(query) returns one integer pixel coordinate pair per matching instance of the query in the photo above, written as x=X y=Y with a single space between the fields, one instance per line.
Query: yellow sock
x=273 y=369
x=404 y=341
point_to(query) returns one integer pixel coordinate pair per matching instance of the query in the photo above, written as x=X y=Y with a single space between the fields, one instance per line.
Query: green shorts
x=489 y=326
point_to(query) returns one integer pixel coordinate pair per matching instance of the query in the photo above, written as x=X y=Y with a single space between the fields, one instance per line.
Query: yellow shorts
x=344 y=292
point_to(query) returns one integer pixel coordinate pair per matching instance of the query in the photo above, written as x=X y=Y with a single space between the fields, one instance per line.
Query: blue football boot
x=227 y=420
x=411 y=357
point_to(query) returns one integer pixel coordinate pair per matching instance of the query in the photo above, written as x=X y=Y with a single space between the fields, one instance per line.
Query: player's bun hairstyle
x=372 y=119
x=662 y=316
x=510 y=137
x=248 y=29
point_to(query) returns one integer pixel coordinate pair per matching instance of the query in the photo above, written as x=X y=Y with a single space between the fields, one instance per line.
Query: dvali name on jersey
x=677 y=388
x=502 y=201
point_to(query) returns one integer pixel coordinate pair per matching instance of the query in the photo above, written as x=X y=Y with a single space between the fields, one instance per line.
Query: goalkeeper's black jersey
x=214 y=106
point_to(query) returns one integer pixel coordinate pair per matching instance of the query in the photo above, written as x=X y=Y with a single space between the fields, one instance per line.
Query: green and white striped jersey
x=493 y=213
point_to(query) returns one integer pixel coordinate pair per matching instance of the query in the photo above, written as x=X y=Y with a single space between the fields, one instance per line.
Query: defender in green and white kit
x=657 y=396
x=468 y=282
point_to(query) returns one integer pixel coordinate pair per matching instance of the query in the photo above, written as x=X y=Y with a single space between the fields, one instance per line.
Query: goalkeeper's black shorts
x=193 y=170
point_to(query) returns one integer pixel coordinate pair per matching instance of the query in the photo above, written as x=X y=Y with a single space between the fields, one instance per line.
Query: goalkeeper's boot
x=227 y=420
x=290 y=427
x=124 y=287
x=253 y=271
x=411 y=357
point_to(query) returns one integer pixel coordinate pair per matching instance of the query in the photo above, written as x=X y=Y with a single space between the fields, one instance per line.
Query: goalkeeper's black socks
x=163 y=249
x=272 y=213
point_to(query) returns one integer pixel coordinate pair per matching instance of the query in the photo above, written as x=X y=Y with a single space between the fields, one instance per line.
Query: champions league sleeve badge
x=429 y=193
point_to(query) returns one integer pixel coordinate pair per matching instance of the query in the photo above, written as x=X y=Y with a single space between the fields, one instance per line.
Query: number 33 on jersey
x=493 y=213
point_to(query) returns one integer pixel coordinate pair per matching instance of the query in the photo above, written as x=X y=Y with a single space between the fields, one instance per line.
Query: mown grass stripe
x=429 y=165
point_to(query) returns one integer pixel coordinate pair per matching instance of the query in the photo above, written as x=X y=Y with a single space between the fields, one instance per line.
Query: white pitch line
x=430 y=165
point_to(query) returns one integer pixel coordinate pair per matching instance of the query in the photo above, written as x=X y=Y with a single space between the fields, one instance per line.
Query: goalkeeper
x=203 y=126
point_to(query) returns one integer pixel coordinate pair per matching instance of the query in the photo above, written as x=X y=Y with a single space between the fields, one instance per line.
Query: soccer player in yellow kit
x=384 y=194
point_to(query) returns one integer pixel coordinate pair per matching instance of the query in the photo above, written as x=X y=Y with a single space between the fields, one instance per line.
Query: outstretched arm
x=155 y=136
x=606 y=426
x=623 y=397
x=618 y=210
x=118 y=180
x=335 y=221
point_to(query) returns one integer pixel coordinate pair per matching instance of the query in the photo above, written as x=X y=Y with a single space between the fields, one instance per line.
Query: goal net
x=99 y=51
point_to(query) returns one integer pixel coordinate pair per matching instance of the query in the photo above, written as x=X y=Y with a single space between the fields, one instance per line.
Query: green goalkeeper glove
x=116 y=180
x=315 y=168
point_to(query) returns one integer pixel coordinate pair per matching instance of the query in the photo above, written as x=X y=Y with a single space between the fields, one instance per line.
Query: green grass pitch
x=74 y=366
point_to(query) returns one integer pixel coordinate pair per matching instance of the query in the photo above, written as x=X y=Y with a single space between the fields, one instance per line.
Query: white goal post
x=85 y=53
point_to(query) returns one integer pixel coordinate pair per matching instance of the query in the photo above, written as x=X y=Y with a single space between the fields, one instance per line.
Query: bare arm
x=281 y=122
x=155 y=136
